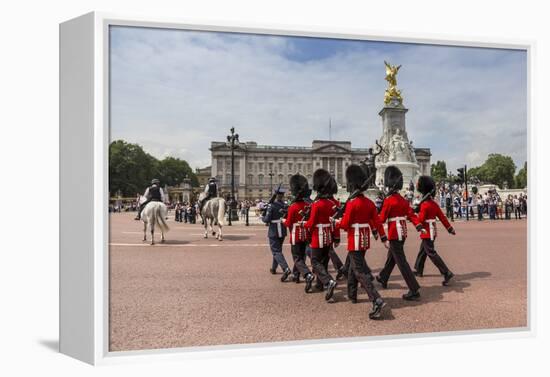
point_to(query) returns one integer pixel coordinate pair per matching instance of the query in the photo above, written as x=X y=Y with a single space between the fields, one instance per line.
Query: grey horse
x=213 y=213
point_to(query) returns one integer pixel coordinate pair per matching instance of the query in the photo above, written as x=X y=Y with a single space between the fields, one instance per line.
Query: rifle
x=416 y=207
x=340 y=210
x=271 y=200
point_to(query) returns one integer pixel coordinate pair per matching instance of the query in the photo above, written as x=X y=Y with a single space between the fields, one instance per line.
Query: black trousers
x=396 y=256
x=299 y=256
x=359 y=272
x=450 y=213
x=347 y=266
x=335 y=259
x=427 y=249
x=319 y=263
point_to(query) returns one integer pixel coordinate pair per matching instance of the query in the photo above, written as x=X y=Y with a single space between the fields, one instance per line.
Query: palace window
x=261 y=179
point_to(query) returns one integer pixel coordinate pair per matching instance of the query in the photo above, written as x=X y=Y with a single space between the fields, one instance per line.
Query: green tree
x=497 y=170
x=475 y=173
x=439 y=171
x=172 y=171
x=131 y=169
x=521 y=177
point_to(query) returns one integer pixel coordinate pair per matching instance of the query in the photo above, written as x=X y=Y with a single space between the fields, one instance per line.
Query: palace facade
x=260 y=168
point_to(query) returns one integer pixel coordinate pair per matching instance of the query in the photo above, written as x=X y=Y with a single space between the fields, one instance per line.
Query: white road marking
x=223 y=243
x=202 y=234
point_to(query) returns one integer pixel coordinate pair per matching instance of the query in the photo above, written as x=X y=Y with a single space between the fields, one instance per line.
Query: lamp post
x=271 y=182
x=231 y=139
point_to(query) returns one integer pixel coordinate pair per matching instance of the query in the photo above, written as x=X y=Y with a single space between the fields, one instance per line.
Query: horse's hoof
x=220 y=239
x=214 y=234
x=152 y=243
x=162 y=241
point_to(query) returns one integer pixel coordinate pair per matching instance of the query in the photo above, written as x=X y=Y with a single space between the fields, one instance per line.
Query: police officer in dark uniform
x=277 y=232
x=153 y=193
x=211 y=191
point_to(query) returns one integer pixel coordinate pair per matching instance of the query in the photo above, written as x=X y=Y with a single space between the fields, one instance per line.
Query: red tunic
x=359 y=218
x=396 y=210
x=319 y=224
x=429 y=211
x=335 y=230
x=292 y=222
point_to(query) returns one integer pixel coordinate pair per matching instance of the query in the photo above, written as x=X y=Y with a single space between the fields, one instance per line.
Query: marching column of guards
x=314 y=228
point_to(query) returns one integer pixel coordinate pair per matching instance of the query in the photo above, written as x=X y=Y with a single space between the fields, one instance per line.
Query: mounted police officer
x=211 y=191
x=277 y=232
x=153 y=193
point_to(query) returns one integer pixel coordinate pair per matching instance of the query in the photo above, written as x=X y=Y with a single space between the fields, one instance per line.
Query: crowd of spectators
x=458 y=203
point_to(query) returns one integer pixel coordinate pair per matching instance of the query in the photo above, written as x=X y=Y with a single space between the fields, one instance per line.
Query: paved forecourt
x=192 y=291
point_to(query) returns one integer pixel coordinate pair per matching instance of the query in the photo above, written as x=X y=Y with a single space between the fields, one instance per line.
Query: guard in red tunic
x=359 y=219
x=428 y=212
x=320 y=227
x=294 y=222
x=334 y=258
x=396 y=210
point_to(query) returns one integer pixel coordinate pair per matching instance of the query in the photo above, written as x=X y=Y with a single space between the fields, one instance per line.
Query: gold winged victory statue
x=391 y=77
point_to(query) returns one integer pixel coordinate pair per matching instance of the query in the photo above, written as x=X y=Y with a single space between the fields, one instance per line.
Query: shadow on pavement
x=173 y=242
x=428 y=293
x=435 y=292
x=236 y=238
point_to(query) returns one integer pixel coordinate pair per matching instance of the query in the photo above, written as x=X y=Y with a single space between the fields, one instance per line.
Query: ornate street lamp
x=271 y=182
x=231 y=139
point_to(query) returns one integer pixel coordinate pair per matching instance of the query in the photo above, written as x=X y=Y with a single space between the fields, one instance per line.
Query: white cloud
x=173 y=92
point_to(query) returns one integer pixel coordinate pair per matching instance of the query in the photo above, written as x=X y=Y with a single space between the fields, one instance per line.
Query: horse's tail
x=161 y=220
x=221 y=212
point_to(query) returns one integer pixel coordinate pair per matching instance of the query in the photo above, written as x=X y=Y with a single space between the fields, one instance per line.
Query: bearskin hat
x=332 y=186
x=393 y=178
x=356 y=177
x=425 y=184
x=321 y=181
x=298 y=185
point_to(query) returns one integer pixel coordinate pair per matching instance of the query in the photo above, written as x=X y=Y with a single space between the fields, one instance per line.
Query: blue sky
x=174 y=91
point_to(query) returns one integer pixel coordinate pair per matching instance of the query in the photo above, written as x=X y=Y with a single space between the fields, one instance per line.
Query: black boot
x=340 y=273
x=419 y=273
x=377 y=306
x=309 y=281
x=273 y=271
x=448 y=276
x=353 y=300
x=383 y=283
x=286 y=273
x=330 y=290
x=411 y=296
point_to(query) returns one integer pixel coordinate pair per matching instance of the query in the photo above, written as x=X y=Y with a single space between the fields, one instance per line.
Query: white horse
x=154 y=214
x=213 y=212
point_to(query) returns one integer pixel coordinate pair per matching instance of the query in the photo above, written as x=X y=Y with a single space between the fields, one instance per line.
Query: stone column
x=395 y=133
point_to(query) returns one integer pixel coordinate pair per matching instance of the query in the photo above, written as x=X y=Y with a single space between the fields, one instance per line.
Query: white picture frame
x=84 y=140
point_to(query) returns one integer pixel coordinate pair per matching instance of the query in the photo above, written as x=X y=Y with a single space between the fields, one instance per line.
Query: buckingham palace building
x=260 y=168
